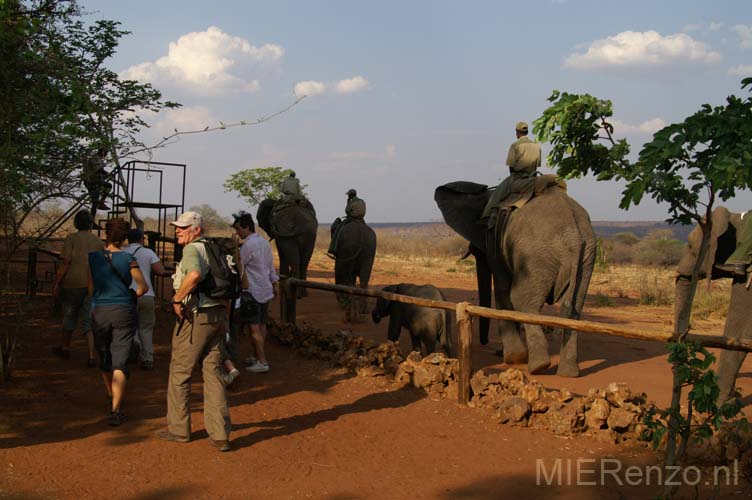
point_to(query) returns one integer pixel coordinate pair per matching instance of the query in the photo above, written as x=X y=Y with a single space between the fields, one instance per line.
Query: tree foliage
x=60 y=103
x=213 y=220
x=256 y=184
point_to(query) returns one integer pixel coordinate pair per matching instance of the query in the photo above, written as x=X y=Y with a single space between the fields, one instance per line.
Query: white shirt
x=145 y=258
x=258 y=262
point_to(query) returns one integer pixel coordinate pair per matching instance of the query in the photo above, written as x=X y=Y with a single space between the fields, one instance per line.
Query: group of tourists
x=107 y=287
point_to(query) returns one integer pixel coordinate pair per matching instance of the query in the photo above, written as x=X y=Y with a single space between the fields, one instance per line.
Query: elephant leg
x=416 y=342
x=365 y=276
x=738 y=326
x=515 y=351
x=729 y=364
x=538 y=360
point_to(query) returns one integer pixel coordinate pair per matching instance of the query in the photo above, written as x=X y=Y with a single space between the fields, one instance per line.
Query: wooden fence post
x=465 y=340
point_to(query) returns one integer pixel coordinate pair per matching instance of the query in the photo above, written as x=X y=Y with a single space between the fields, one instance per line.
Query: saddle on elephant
x=522 y=191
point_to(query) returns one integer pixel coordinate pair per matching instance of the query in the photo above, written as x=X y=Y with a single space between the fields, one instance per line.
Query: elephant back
x=292 y=220
x=264 y=215
x=357 y=239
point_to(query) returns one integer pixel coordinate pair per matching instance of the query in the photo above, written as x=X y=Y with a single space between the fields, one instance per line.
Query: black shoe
x=116 y=418
x=738 y=269
x=221 y=445
x=61 y=353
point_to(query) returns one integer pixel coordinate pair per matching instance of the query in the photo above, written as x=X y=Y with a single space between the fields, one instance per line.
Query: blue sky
x=408 y=95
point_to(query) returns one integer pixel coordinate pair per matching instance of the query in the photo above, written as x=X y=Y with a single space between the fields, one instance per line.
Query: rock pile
x=613 y=413
x=435 y=373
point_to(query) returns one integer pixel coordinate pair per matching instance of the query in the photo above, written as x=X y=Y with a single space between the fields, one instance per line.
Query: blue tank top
x=109 y=288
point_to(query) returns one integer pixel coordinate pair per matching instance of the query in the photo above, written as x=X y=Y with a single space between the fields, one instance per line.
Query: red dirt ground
x=308 y=430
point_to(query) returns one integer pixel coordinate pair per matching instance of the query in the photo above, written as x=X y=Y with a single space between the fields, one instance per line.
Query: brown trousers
x=194 y=342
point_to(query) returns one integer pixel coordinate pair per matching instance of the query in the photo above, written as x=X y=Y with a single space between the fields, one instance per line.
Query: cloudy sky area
x=405 y=96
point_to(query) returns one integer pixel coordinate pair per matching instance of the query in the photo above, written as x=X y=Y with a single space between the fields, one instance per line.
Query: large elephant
x=546 y=255
x=355 y=251
x=294 y=229
x=725 y=230
x=426 y=325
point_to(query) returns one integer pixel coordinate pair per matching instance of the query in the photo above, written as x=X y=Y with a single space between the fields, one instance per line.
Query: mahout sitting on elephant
x=726 y=231
x=545 y=255
x=426 y=325
x=293 y=227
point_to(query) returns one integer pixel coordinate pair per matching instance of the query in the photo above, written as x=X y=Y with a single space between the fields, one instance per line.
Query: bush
x=654 y=293
x=658 y=252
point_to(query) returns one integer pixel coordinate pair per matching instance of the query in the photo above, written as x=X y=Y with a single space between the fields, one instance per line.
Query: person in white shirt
x=258 y=266
x=149 y=264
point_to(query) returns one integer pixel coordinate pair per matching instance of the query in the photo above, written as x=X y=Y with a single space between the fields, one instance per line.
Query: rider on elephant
x=739 y=261
x=290 y=187
x=523 y=159
x=354 y=211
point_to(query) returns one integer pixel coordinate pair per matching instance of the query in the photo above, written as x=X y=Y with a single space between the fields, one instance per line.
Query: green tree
x=213 y=220
x=60 y=103
x=687 y=165
x=254 y=185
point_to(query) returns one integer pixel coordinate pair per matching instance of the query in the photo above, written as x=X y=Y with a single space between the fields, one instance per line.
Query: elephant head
x=383 y=308
x=264 y=216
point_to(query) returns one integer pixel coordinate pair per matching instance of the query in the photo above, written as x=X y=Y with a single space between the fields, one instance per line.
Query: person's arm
x=158 y=269
x=189 y=283
x=63 y=269
x=138 y=277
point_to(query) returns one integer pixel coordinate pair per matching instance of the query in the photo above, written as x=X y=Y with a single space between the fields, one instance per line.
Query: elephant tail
x=579 y=279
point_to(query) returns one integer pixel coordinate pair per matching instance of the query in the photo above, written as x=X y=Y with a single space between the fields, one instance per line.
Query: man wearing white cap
x=202 y=322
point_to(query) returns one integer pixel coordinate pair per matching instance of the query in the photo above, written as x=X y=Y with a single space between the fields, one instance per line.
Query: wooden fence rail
x=465 y=311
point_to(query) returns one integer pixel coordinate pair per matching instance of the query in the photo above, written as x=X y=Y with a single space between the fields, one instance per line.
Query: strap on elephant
x=523 y=190
x=338 y=234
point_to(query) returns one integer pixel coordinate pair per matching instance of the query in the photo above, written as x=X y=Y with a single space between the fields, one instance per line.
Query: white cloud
x=631 y=49
x=714 y=26
x=353 y=84
x=745 y=34
x=691 y=27
x=208 y=62
x=741 y=70
x=309 y=88
x=647 y=127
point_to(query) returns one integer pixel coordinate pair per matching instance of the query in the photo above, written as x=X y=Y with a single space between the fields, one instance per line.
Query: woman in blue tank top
x=114 y=318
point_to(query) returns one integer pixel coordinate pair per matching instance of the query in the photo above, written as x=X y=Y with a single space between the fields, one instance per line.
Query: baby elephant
x=425 y=324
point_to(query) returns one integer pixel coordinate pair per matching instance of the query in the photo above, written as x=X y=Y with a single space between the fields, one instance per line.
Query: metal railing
x=464 y=317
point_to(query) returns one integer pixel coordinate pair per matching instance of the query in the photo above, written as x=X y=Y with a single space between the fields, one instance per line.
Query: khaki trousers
x=194 y=342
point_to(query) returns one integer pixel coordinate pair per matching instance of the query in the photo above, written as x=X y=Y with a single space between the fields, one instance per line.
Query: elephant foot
x=568 y=370
x=516 y=357
x=539 y=366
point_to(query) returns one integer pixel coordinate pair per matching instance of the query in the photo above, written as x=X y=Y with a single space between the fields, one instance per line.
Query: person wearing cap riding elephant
x=523 y=160
x=354 y=210
x=201 y=326
x=290 y=187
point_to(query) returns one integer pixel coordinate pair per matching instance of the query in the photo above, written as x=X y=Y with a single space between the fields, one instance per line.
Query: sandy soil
x=308 y=430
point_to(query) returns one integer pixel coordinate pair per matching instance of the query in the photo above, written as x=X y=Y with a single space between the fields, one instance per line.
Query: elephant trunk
x=483 y=274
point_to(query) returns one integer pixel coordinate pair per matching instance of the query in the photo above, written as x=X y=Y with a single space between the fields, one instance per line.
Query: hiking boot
x=166 y=435
x=116 y=418
x=258 y=367
x=738 y=269
x=250 y=360
x=60 y=352
x=221 y=445
x=229 y=378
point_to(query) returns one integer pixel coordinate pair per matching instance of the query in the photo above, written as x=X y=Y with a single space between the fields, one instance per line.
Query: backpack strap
x=108 y=258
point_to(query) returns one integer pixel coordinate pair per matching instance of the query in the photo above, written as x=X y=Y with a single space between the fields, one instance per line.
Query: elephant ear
x=462 y=203
x=264 y=215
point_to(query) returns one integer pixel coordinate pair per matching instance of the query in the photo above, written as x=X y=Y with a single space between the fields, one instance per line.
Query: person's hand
x=179 y=310
x=56 y=290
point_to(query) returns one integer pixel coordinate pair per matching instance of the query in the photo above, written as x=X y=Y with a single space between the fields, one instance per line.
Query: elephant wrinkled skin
x=725 y=231
x=546 y=255
x=356 y=250
x=425 y=324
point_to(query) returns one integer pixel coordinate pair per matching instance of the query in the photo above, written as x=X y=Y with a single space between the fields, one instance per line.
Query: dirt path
x=307 y=430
